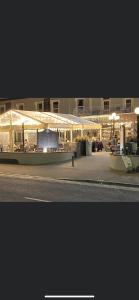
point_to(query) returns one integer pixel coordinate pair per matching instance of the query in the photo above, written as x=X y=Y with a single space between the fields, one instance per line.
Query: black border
x=69 y=248
x=59 y=51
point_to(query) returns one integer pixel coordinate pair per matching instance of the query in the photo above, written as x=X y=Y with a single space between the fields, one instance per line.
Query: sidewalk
x=95 y=167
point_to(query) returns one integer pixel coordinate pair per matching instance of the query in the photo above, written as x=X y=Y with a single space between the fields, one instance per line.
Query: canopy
x=41 y=120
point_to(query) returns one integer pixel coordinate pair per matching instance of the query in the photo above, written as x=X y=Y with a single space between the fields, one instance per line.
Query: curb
x=102 y=182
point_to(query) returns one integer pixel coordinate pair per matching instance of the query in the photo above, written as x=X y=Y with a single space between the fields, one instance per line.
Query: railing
x=96 y=110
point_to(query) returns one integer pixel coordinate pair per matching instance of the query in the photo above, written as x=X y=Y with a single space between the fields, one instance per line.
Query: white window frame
x=131 y=103
x=4 y=106
x=77 y=99
x=109 y=100
x=18 y=104
x=52 y=105
x=37 y=103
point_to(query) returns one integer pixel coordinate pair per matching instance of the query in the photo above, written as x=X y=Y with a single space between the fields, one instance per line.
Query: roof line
x=24 y=114
x=57 y=117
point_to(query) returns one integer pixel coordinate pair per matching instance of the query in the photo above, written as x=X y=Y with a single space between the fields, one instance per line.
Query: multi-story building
x=96 y=106
x=102 y=108
x=95 y=109
x=58 y=105
x=99 y=110
x=39 y=104
x=93 y=106
x=76 y=106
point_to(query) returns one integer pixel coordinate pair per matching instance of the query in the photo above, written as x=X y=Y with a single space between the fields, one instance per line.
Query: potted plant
x=85 y=143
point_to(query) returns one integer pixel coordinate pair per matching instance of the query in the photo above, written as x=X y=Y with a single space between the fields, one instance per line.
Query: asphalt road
x=28 y=190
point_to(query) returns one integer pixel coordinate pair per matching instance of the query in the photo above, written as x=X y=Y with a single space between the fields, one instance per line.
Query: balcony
x=81 y=110
x=97 y=110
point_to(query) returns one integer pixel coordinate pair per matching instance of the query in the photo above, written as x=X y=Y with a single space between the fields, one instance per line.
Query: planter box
x=83 y=148
x=35 y=158
x=74 y=147
x=86 y=148
x=123 y=163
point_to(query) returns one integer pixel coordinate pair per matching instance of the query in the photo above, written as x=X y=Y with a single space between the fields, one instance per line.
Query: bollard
x=73 y=161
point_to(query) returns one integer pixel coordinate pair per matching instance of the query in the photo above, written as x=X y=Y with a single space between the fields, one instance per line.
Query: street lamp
x=114 y=118
x=122 y=138
x=23 y=132
x=137 y=113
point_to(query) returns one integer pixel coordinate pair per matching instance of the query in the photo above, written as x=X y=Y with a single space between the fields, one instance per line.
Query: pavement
x=62 y=182
x=93 y=168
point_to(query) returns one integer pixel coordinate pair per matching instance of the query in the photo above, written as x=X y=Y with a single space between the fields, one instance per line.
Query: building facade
x=76 y=106
x=99 y=110
x=56 y=105
x=94 y=106
x=39 y=104
x=94 y=109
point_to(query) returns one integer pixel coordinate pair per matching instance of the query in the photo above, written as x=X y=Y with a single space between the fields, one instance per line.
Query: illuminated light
x=51 y=120
x=137 y=110
x=45 y=150
x=114 y=117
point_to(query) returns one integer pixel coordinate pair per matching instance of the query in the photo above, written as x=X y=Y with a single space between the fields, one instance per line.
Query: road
x=29 y=189
x=94 y=167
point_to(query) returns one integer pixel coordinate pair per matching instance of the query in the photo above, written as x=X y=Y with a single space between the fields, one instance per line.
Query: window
x=55 y=106
x=128 y=105
x=20 y=106
x=80 y=104
x=2 y=109
x=39 y=106
x=47 y=104
x=106 y=105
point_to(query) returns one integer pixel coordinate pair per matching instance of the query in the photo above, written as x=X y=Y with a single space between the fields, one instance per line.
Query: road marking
x=103 y=185
x=61 y=181
x=25 y=176
x=35 y=199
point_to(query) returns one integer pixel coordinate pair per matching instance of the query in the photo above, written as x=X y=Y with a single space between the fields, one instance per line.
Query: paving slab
x=94 y=167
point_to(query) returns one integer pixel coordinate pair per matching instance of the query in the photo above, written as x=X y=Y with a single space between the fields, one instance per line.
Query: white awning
x=35 y=119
